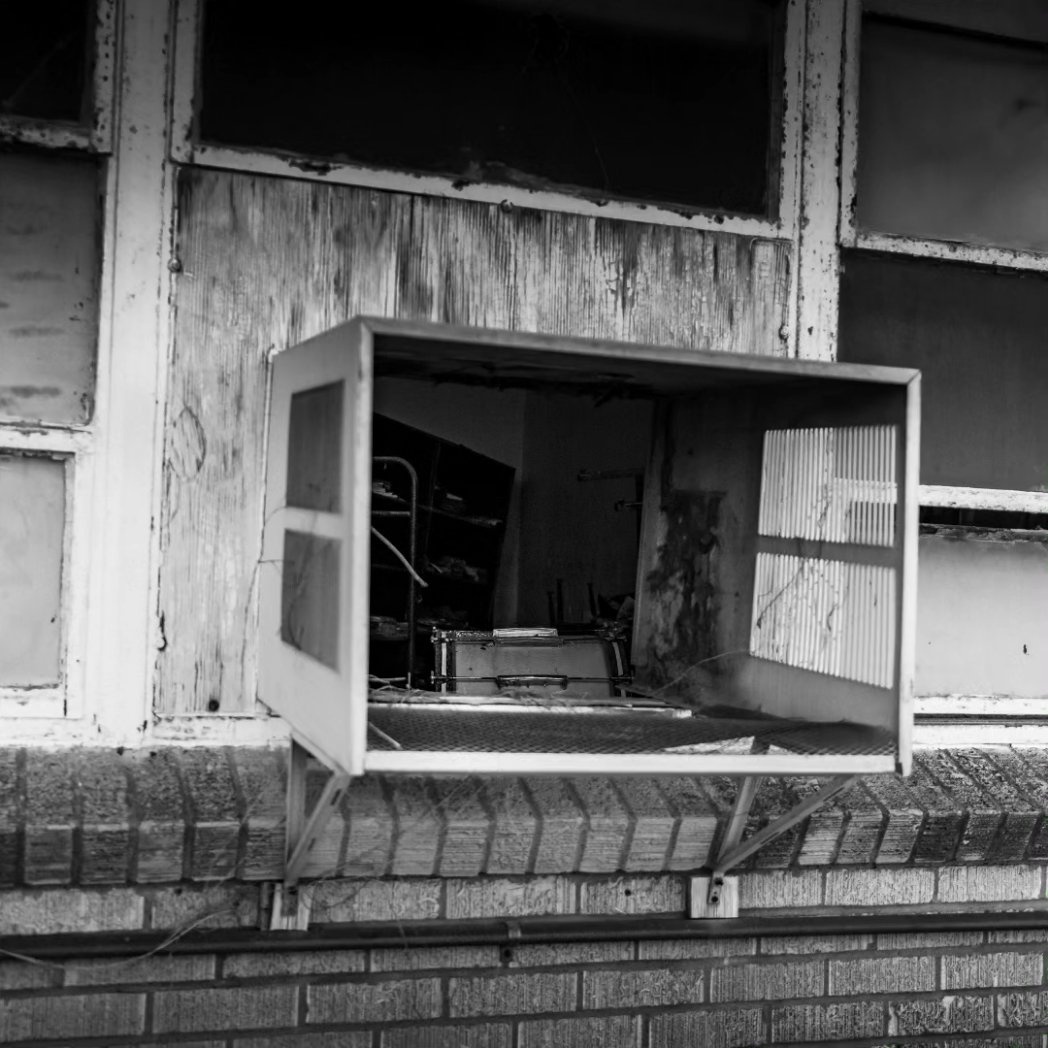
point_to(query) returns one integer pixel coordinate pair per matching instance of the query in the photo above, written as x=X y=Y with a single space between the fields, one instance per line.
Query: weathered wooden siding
x=268 y=262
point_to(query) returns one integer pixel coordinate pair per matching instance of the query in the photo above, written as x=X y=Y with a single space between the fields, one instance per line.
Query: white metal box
x=485 y=662
x=775 y=567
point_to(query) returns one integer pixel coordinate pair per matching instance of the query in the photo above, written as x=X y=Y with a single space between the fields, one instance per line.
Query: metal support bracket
x=291 y=904
x=715 y=901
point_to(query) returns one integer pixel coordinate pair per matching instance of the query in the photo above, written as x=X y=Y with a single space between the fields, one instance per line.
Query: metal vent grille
x=826 y=615
x=830 y=485
x=527 y=731
x=831 y=609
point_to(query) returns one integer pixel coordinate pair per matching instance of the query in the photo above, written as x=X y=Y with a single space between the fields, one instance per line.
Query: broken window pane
x=44 y=59
x=977 y=336
x=32 y=525
x=50 y=253
x=659 y=101
x=951 y=136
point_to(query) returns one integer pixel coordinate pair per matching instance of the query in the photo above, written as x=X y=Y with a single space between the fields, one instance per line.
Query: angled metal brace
x=733 y=851
x=303 y=832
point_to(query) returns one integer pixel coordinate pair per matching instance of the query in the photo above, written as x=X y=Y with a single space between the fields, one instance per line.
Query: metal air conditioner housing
x=774 y=592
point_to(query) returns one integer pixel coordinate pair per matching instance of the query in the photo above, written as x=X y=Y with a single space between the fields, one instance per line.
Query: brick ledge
x=105 y=817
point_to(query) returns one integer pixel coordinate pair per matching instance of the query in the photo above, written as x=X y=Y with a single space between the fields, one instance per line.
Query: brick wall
x=866 y=988
x=96 y=842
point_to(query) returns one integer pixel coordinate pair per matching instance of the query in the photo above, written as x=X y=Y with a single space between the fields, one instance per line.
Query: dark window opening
x=951 y=135
x=977 y=336
x=662 y=103
x=45 y=60
x=499 y=513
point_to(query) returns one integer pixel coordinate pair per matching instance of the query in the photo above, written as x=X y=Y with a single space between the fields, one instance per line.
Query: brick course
x=237 y=1008
x=159 y=816
x=185 y=837
x=641 y=994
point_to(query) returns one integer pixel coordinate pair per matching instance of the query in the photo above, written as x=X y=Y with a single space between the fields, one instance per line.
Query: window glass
x=309 y=597
x=952 y=142
x=658 y=101
x=49 y=269
x=44 y=63
x=32 y=525
x=977 y=335
x=314 y=453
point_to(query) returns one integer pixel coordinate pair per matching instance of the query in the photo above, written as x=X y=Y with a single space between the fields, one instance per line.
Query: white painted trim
x=43 y=725
x=31 y=702
x=948 y=250
x=455 y=762
x=910 y=455
x=133 y=338
x=978 y=734
x=69 y=441
x=107 y=42
x=322 y=169
x=790 y=155
x=850 y=73
x=260 y=729
x=792 y=113
x=73 y=447
x=184 y=82
x=75 y=443
x=66 y=697
x=50 y=135
x=818 y=262
x=80 y=479
x=312 y=522
x=946 y=497
x=983 y=705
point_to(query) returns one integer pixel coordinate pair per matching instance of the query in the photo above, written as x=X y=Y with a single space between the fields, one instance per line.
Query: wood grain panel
x=269 y=262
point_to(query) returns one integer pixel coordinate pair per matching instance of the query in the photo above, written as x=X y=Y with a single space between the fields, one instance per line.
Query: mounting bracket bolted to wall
x=292 y=904
x=716 y=895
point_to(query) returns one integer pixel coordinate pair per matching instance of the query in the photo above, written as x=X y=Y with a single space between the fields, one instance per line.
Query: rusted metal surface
x=266 y=263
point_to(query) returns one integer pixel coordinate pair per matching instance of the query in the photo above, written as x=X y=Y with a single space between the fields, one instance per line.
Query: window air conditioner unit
x=769 y=551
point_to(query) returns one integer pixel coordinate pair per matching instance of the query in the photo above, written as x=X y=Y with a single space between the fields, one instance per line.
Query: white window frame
x=97 y=136
x=851 y=235
x=71 y=446
x=186 y=149
x=991 y=718
x=74 y=444
x=112 y=461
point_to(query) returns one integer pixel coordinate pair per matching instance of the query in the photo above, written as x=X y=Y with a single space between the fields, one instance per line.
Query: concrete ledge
x=103 y=817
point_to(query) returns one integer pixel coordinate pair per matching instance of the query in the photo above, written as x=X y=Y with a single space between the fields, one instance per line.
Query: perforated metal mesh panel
x=531 y=731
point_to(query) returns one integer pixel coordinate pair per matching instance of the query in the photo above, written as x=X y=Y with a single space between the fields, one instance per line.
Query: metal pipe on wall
x=506 y=933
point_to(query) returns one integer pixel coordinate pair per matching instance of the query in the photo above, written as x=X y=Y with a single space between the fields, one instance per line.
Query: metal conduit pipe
x=503 y=933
